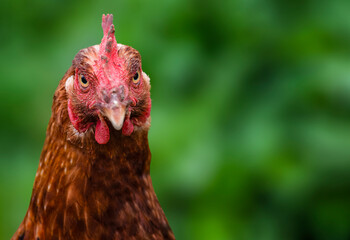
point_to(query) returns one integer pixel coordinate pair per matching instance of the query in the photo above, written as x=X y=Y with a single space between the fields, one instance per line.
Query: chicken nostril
x=121 y=92
x=117 y=93
x=105 y=96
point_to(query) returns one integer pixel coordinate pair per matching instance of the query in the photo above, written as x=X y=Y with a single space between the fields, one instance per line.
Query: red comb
x=106 y=22
x=108 y=66
x=108 y=46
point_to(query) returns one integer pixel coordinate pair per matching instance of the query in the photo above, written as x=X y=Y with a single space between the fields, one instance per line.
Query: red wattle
x=128 y=127
x=102 y=131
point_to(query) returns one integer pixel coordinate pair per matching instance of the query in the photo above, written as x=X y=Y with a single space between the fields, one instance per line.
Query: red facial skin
x=109 y=73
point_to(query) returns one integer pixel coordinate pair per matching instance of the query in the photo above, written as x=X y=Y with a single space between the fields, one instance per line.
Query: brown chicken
x=93 y=180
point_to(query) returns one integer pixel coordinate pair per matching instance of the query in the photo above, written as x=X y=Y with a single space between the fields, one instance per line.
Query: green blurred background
x=250 y=131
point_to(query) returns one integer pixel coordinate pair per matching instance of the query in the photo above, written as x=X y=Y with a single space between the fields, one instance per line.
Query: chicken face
x=108 y=85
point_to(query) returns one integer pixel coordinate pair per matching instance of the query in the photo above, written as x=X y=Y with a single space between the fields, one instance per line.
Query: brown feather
x=85 y=190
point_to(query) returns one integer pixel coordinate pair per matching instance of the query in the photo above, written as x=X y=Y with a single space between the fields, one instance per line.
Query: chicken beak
x=115 y=112
x=114 y=105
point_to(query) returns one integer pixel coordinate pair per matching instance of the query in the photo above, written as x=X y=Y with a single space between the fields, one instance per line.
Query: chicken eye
x=136 y=78
x=83 y=82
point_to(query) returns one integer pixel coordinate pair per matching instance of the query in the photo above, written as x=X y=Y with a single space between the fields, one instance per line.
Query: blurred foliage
x=250 y=132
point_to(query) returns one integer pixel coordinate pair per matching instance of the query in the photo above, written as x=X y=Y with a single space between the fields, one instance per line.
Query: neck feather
x=84 y=189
